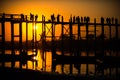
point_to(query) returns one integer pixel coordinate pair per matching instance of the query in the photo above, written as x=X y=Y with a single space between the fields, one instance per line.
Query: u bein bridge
x=68 y=41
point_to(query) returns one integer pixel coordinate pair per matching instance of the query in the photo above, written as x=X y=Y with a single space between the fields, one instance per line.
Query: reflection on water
x=32 y=64
x=44 y=63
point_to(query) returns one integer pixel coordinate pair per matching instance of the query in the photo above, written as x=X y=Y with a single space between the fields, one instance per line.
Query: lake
x=44 y=63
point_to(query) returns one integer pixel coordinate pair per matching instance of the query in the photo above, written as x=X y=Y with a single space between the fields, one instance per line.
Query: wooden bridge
x=74 y=41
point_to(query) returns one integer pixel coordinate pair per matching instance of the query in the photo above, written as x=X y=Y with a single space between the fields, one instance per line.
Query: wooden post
x=20 y=34
x=117 y=46
x=42 y=23
x=43 y=43
x=43 y=38
x=78 y=35
x=35 y=33
x=35 y=38
x=53 y=48
x=20 y=40
x=71 y=41
x=26 y=33
x=12 y=39
x=95 y=43
x=12 y=34
x=78 y=44
x=3 y=34
x=3 y=37
x=110 y=36
x=102 y=35
x=62 y=30
x=26 y=38
x=110 y=33
x=71 y=35
x=62 y=46
x=116 y=25
x=87 y=45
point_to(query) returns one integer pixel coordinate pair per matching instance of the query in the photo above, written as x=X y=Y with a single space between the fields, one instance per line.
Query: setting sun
x=35 y=27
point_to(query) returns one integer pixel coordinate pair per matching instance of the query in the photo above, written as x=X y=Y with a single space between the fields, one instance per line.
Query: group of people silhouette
x=109 y=20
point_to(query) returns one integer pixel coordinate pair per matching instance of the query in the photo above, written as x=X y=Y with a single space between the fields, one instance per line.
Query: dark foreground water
x=44 y=63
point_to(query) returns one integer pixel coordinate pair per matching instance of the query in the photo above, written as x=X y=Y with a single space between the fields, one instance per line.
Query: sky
x=92 y=8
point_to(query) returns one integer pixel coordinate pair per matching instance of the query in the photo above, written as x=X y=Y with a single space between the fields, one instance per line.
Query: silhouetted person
x=36 y=17
x=73 y=19
x=53 y=17
x=107 y=20
x=112 y=20
x=116 y=20
x=88 y=19
x=31 y=17
x=70 y=20
x=22 y=17
x=3 y=16
x=77 y=19
x=81 y=19
x=26 y=17
x=58 y=18
x=85 y=19
x=102 y=20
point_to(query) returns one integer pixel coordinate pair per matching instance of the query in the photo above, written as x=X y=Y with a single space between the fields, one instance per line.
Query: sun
x=35 y=27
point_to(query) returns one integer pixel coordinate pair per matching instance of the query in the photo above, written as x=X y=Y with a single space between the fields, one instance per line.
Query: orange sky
x=92 y=8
